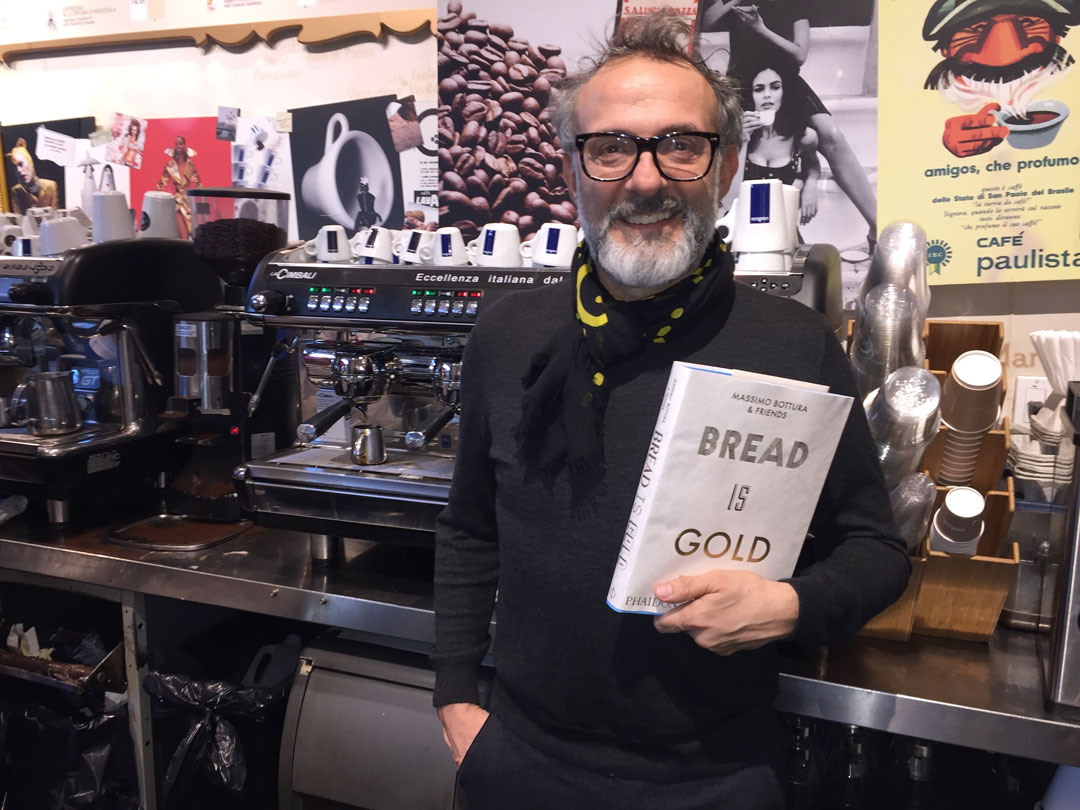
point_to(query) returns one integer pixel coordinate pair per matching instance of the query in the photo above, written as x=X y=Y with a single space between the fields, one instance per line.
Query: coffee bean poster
x=346 y=169
x=979 y=105
x=32 y=181
x=499 y=157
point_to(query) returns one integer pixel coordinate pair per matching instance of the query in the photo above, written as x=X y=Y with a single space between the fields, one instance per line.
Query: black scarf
x=567 y=385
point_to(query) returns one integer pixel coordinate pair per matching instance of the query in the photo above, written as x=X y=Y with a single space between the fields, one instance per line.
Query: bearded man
x=998 y=55
x=591 y=708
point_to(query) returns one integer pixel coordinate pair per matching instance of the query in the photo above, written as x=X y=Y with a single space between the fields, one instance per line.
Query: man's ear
x=570 y=176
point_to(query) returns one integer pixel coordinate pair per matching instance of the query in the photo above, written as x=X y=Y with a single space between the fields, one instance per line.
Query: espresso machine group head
x=380 y=350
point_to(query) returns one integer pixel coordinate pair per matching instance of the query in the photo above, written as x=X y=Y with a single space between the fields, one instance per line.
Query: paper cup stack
x=958 y=524
x=970 y=402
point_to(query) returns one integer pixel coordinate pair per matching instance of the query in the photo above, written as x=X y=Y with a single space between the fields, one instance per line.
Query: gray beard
x=643 y=262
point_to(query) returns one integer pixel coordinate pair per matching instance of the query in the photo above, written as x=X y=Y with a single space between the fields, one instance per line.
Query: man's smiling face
x=647 y=231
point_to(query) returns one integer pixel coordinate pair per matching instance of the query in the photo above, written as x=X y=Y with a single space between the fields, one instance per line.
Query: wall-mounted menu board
x=35 y=27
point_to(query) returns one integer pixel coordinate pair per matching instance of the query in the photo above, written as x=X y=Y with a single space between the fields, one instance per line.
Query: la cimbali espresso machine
x=85 y=365
x=380 y=350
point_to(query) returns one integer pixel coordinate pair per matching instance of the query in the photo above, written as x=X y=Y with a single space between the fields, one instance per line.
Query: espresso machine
x=85 y=356
x=380 y=350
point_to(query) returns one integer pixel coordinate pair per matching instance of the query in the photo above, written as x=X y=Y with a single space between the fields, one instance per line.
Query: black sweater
x=574 y=678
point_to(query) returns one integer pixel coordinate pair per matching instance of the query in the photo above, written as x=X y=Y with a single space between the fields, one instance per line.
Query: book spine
x=649 y=482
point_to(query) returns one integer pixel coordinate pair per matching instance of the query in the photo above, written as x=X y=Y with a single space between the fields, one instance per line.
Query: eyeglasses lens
x=610 y=157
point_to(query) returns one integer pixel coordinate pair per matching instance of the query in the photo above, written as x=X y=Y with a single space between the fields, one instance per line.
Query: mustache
x=656 y=204
x=946 y=69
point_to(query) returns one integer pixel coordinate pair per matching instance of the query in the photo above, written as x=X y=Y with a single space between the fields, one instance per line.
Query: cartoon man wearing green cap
x=998 y=54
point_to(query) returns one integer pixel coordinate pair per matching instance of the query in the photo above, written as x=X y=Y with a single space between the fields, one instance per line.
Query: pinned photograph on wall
x=33 y=180
x=226 y=123
x=414 y=126
x=345 y=166
x=261 y=159
x=181 y=153
x=128 y=141
x=808 y=74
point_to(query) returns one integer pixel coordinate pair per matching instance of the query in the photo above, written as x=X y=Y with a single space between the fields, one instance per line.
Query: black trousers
x=503 y=772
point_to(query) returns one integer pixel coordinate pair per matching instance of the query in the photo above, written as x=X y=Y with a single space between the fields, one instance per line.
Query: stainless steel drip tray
x=411 y=476
x=20 y=441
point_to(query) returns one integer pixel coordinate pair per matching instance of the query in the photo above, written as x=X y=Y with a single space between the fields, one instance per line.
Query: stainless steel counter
x=965 y=693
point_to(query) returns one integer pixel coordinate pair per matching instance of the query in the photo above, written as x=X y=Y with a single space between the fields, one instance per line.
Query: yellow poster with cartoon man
x=977 y=142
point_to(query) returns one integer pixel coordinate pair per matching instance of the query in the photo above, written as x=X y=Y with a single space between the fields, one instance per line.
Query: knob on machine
x=270 y=302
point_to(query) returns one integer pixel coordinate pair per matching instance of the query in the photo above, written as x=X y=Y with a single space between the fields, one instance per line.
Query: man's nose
x=646 y=178
x=1002 y=45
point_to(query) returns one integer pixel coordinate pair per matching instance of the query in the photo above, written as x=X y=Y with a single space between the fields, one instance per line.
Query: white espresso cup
x=111 y=216
x=27 y=246
x=415 y=247
x=240 y=174
x=498 y=245
x=449 y=248
x=553 y=246
x=8 y=235
x=60 y=234
x=374 y=246
x=329 y=245
x=158 y=218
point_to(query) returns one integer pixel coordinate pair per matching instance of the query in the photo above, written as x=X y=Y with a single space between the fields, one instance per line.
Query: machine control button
x=324 y=303
x=429 y=306
x=339 y=303
x=363 y=304
x=444 y=307
x=417 y=306
x=470 y=308
x=313 y=302
x=350 y=303
x=457 y=307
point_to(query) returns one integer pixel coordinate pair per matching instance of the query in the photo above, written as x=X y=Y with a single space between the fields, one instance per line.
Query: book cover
x=731 y=479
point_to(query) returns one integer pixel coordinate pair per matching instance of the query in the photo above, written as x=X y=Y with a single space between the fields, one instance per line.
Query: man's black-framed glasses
x=682 y=156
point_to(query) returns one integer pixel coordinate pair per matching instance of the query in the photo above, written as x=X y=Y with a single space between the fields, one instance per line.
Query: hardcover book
x=732 y=476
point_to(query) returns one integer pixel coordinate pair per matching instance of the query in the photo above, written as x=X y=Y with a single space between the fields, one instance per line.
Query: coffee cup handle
x=310 y=248
x=426 y=253
x=331 y=138
x=526 y=249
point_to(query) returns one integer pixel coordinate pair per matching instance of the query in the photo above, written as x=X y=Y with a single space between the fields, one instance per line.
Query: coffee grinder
x=234 y=384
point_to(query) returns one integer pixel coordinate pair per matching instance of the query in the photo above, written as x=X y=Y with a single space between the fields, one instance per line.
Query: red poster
x=181 y=153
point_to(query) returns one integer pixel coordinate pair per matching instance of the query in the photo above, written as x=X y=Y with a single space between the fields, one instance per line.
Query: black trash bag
x=59 y=762
x=211 y=741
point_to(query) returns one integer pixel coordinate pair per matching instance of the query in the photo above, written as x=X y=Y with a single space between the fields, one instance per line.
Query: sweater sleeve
x=466 y=549
x=854 y=564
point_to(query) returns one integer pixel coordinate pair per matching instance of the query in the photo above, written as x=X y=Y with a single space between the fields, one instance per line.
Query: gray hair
x=662 y=37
